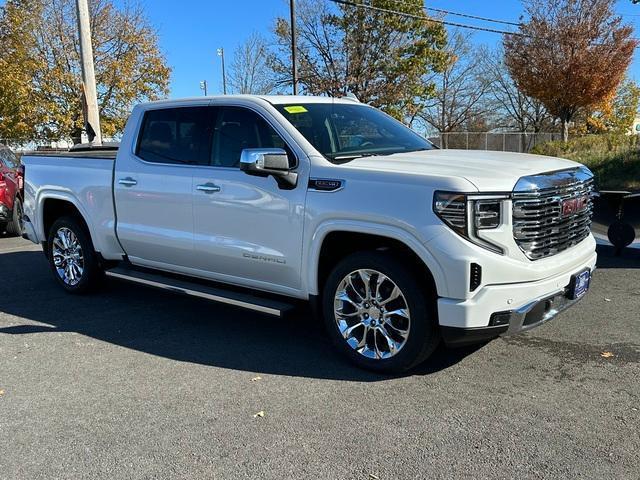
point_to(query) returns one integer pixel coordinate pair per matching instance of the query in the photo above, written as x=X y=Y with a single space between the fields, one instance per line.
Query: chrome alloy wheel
x=67 y=256
x=372 y=314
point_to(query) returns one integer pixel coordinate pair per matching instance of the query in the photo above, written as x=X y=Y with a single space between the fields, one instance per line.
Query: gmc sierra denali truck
x=258 y=200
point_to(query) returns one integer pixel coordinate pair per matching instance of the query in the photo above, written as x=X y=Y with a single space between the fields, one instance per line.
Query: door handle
x=208 y=188
x=127 y=182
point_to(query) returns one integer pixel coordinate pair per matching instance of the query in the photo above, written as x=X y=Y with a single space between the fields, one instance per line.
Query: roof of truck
x=273 y=99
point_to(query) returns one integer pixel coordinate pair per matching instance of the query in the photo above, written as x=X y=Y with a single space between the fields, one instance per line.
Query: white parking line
x=34 y=248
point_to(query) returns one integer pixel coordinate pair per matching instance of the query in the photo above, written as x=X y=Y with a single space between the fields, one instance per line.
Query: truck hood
x=488 y=171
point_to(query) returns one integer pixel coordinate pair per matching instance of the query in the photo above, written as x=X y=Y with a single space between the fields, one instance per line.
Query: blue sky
x=192 y=30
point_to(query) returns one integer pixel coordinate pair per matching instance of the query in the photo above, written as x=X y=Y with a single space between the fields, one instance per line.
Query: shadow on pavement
x=628 y=258
x=181 y=328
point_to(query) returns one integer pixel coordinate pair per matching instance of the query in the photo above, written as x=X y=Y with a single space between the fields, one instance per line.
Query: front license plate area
x=579 y=284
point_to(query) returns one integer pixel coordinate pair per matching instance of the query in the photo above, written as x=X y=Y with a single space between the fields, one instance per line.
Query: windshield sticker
x=295 y=109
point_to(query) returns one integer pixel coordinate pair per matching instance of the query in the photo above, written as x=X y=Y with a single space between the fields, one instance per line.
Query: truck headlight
x=487 y=213
x=466 y=214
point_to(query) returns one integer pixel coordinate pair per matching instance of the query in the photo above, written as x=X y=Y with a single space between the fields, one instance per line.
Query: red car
x=11 y=184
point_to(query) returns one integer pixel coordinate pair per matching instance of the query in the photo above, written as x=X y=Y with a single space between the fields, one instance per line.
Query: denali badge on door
x=579 y=284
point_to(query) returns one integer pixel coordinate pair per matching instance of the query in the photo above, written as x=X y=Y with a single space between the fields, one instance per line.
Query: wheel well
x=337 y=245
x=53 y=209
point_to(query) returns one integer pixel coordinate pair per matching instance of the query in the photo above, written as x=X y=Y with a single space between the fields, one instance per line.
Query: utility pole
x=88 y=74
x=203 y=86
x=294 y=55
x=224 y=76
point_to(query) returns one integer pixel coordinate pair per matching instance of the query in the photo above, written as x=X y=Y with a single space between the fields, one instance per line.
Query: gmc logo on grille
x=571 y=206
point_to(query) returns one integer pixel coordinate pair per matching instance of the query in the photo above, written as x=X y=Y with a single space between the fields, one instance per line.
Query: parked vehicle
x=617 y=217
x=10 y=192
x=397 y=244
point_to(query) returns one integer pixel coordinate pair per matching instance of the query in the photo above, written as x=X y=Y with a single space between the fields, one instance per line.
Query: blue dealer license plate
x=579 y=284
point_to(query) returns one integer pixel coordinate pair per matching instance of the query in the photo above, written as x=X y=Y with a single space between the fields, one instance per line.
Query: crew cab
x=10 y=192
x=261 y=201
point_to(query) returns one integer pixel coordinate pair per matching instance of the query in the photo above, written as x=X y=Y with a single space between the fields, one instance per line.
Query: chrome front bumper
x=510 y=322
x=538 y=311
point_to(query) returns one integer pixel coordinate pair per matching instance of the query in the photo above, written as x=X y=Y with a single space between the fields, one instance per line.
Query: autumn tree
x=459 y=89
x=622 y=110
x=569 y=54
x=19 y=108
x=129 y=65
x=250 y=72
x=379 y=56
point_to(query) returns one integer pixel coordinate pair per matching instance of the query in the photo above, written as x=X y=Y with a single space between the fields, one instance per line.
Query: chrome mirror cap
x=263 y=162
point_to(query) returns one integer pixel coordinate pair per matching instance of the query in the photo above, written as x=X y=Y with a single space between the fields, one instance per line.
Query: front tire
x=14 y=227
x=378 y=313
x=72 y=259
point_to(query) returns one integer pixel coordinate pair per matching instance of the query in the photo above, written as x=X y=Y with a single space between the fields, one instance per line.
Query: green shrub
x=613 y=158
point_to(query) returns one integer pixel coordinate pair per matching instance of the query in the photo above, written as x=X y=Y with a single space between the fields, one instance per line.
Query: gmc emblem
x=571 y=206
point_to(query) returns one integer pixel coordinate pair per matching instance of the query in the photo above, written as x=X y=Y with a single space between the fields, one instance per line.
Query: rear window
x=8 y=158
x=176 y=135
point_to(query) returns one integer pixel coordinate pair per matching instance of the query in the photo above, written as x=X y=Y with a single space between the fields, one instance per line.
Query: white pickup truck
x=258 y=200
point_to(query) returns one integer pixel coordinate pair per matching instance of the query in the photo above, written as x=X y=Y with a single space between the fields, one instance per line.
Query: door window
x=176 y=135
x=239 y=128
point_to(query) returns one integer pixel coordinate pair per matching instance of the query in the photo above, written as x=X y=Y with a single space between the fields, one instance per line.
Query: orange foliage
x=570 y=54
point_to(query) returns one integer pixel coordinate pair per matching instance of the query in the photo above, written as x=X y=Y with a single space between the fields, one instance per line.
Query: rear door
x=153 y=185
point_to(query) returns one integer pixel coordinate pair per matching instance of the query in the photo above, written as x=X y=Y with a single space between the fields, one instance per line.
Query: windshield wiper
x=342 y=158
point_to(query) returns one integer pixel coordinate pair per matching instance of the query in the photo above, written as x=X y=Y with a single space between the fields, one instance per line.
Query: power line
x=466 y=15
x=444 y=22
x=458 y=14
x=428 y=19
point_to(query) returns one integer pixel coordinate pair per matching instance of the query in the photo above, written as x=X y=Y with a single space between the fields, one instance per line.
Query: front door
x=247 y=230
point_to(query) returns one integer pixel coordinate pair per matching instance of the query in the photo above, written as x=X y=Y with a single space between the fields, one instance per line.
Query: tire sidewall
x=17 y=213
x=423 y=331
x=91 y=268
x=13 y=227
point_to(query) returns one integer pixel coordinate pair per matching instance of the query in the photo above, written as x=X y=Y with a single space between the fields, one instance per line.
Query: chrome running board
x=193 y=289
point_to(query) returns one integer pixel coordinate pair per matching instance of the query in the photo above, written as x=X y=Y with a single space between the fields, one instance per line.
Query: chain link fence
x=521 y=142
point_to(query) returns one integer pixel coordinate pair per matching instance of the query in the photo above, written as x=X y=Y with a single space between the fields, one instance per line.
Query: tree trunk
x=76 y=136
x=565 y=129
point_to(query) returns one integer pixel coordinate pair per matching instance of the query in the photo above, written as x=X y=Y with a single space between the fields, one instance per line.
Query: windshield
x=342 y=132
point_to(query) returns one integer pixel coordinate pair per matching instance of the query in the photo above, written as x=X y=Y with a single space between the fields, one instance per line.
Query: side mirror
x=263 y=162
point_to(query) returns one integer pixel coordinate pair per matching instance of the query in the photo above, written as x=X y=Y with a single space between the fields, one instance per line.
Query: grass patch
x=613 y=159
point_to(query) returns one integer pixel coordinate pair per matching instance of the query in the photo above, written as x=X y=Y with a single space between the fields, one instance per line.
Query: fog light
x=499 y=318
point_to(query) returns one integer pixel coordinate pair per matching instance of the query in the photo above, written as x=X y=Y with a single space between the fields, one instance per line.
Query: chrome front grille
x=539 y=227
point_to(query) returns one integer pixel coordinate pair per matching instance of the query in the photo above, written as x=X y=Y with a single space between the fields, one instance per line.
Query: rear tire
x=388 y=326
x=71 y=256
x=14 y=227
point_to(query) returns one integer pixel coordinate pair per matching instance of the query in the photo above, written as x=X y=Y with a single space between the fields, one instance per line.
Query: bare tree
x=250 y=72
x=460 y=89
x=511 y=107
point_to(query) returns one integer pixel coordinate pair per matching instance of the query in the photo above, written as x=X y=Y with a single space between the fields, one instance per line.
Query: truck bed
x=83 y=178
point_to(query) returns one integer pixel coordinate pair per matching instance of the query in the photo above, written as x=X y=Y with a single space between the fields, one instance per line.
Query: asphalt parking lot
x=133 y=382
